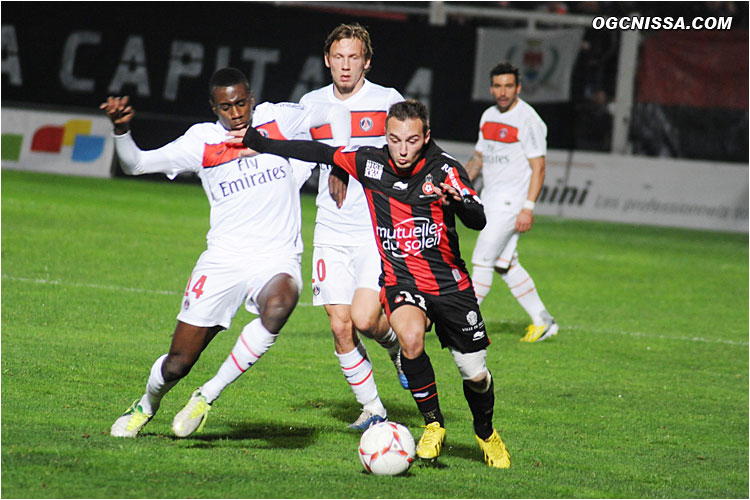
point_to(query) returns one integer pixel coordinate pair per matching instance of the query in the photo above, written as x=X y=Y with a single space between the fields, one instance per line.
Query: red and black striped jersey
x=416 y=233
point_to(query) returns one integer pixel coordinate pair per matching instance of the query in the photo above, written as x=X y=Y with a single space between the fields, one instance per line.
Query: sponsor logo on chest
x=409 y=237
x=373 y=170
x=249 y=174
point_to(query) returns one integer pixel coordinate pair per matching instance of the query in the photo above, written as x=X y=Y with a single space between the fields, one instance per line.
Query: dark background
x=402 y=44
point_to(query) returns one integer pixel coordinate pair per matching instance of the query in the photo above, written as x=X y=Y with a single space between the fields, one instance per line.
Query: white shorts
x=220 y=282
x=338 y=271
x=497 y=243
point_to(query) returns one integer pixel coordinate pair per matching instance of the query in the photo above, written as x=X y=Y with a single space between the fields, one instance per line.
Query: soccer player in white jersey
x=253 y=244
x=510 y=153
x=346 y=263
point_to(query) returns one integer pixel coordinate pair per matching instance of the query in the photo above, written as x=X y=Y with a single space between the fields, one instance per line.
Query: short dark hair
x=405 y=110
x=227 y=77
x=505 y=68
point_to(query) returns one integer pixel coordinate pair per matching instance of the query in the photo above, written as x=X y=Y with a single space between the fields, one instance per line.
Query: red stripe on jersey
x=321 y=133
x=500 y=132
x=418 y=266
x=218 y=154
x=412 y=171
x=445 y=249
x=388 y=272
x=272 y=130
x=347 y=161
x=454 y=179
x=364 y=124
x=368 y=123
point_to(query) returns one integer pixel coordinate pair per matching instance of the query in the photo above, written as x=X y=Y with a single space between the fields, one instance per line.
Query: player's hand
x=337 y=188
x=447 y=193
x=119 y=112
x=234 y=140
x=524 y=220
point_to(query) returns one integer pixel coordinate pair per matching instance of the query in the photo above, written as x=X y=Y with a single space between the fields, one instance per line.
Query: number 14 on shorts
x=197 y=288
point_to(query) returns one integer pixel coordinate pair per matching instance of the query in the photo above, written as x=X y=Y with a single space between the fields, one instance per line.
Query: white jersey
x=506 y=141
x=350 y=225
x=255 y=203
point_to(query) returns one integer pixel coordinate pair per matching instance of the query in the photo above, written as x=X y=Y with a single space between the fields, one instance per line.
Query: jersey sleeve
x=457 y=177
x=296 y=120
x=335 y=115
x=470 y=209
x=533 y=137
x=184 y=154
x=347 y=160
x=394 y=97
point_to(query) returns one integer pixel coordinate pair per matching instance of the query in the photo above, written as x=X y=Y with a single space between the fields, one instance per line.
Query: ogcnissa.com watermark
x=661 y=23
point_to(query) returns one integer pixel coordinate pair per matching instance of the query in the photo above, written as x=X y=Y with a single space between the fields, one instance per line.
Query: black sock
x=421 y=379
x=482 y=406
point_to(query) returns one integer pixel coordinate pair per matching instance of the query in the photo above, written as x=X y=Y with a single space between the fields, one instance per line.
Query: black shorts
x=458 y=322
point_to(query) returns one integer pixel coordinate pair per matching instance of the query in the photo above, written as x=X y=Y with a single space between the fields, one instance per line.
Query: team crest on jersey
x=503 y=133
x=366 y=124
x=373 y=170
x=186 y=304
x=398 y=299
x=428 y=187
x=263 y=132
x=316 y=290
x=472 y=318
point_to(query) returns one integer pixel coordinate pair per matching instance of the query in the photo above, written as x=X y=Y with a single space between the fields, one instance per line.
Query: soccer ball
x=387 y=449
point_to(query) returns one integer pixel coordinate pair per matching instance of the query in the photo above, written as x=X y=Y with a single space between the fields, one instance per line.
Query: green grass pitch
x=643 y=394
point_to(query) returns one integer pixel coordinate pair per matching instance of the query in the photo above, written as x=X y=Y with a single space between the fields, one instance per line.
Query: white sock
x=524 y=290
x=388 y=340
x=156 y=388
x=482 y=278
x=253 y=342
x=358 y=372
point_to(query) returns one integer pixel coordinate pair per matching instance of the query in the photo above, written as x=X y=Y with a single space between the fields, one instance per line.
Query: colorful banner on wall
x=61 y=143
x=545 y=60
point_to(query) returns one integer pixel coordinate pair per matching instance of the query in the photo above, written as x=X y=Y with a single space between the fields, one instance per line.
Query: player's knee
x=276 y=309
x=473 y=369
x=175 y=367
x=341 y=328
x=480 y=383
x=412 y=343
x=365 y=323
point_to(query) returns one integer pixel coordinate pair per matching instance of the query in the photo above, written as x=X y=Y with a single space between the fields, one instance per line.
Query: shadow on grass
x=509 y=328
x=347 y=412
x=266 y=435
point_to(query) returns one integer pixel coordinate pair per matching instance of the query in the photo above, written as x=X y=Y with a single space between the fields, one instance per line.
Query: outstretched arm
x=301 y=150
x=133 y=160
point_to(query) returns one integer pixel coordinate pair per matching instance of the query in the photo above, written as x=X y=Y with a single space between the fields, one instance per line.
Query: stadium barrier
x=639 y=190
x=578 y=185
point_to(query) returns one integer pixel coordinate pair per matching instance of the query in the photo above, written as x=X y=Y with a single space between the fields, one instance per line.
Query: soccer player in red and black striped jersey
x=414 y=192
